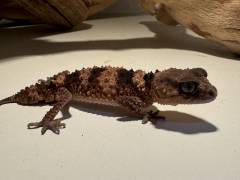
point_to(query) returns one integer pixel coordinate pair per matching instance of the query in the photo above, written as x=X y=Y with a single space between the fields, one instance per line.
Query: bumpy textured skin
x=135 y=90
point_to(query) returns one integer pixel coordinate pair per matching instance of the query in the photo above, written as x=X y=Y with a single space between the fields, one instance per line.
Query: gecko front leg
x=63 y=97
x=138 y=106
x=152 y=114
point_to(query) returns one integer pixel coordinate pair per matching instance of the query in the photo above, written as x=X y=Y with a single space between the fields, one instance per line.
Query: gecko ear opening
x=199 y=72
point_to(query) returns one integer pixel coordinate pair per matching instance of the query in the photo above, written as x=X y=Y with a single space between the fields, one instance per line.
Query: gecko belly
x=91 y=100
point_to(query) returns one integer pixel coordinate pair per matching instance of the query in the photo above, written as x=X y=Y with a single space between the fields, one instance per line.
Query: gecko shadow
x=184 y=123
x=175 y=121
x=26 y=41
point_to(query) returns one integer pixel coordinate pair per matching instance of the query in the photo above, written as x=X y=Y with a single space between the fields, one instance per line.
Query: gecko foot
x=152 y=116
x=54 y=126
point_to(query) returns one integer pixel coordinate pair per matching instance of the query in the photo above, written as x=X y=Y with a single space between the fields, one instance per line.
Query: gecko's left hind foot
x=54 y=126
x=152 y=116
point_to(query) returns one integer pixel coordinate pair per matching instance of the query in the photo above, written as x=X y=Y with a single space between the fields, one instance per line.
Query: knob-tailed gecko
x=114 y=86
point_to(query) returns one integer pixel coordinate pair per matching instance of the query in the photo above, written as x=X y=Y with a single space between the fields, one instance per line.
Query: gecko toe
x=145 y=119
x=43 y=130
x=62 y=125
x=34 y=125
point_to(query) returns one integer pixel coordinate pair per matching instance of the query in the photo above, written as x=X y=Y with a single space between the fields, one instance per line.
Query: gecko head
x=182 y=86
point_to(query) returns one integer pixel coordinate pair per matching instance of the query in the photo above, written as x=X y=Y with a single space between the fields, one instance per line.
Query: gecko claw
x=54 y=126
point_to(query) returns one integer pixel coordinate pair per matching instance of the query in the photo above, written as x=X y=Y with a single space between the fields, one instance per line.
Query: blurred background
x=124 y=6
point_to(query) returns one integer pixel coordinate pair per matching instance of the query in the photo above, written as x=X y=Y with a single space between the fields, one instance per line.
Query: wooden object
x=216 y=20
x=63 y=13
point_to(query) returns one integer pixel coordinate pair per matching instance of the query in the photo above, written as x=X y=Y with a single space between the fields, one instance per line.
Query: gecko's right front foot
x=54 y=126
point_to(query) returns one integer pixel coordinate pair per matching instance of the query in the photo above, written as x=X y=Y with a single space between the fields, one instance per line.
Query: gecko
x=136 y=91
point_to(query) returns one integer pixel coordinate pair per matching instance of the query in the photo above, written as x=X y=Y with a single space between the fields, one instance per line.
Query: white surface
x=202 y=144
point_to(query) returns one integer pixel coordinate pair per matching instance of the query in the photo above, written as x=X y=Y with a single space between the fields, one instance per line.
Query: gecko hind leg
x=48 y=122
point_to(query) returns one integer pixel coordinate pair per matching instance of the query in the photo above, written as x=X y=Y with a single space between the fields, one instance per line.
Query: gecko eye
x=189 y=87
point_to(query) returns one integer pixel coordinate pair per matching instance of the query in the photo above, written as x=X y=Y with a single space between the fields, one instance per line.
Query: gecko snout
x=211 y=94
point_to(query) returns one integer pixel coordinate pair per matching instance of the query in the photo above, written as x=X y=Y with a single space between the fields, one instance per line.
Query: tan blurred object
x=63 y=13
x=217 y=20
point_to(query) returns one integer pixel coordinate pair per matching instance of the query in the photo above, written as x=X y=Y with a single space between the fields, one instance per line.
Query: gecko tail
x=7 y=100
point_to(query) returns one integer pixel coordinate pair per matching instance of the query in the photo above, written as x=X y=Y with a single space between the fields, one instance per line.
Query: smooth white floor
x=196 y=142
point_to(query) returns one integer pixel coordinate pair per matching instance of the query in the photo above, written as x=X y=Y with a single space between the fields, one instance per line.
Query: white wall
x=124 y=6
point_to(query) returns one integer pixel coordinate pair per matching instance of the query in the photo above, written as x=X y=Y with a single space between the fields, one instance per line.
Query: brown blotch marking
x=73 y=77
x=125 y=76
x=148 y=79
x=72 y=81
x=95 y=73
x=90 y=84
x=125 y=82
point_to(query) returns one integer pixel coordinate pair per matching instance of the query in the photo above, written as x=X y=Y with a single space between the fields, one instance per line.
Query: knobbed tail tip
x=7 y=100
